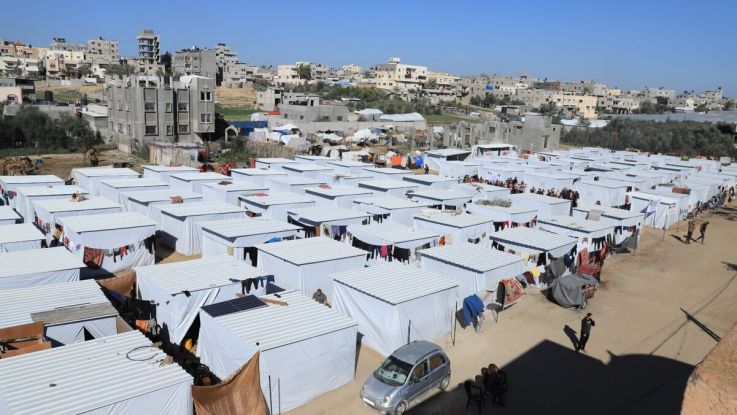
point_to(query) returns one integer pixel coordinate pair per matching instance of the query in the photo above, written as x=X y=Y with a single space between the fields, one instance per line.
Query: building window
x=340 y=118
x=168 y=107
x=150 y=130
x=149 y=106
x=205 y=96
x=205 y=118
x=182 y=106
x=127 y=128
x=169 y=130
x=183 y=129
x=120 y=127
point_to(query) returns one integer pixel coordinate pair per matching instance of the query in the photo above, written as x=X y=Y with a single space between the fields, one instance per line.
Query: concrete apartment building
x=270 y=99
x=195 y=61
x=350 y=71
x=534 y=97
x=396 y=74
x=618 y=104
x=443 y=80
x=60 y=43
x=319 y=72
x=688 y=101
x=61 y=64
x=653 y=94
x=231 y=71
x=145 y=109
x=577 y=105
x=308 y=108
x=149 y=53
x=17 y=90
x=100 y=54
x=535 y=133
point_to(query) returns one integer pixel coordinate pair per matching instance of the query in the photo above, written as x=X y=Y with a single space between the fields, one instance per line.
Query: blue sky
x=678 y=44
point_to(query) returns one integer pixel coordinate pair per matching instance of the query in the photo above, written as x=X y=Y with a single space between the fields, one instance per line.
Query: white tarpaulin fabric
x=38 y=267
x=546 y=206
x=28 y=195
x=567 y=226
x=233 y=236
x=9 y=186
x=592 y=192
x=660 y=211
x=397 y=211
x=70 y=333
x=549 y=181
x=175 y=399
x=215 y=192
x=182 y=230
x=495 y=173
x=114 y=189
x=89 y=178
x=502 y=214
x=50 y=212
x=476 y=231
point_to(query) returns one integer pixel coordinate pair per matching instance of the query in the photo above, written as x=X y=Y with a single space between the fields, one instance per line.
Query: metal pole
x=453 y=326
x=409 y=326
x=278 y=392
x=271 y=405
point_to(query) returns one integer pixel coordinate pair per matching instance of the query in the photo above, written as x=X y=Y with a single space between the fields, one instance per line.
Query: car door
x=438 y=368
x=418 y=381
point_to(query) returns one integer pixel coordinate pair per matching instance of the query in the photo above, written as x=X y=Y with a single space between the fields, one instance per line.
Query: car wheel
x=401 y=408
x=445 y=383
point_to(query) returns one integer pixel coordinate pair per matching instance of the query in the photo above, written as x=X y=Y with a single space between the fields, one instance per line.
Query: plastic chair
x=474 y=394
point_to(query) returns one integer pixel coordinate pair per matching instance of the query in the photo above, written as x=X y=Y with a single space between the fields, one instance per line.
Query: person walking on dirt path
x=702 y=231
x=586 y=324
x=691 y=229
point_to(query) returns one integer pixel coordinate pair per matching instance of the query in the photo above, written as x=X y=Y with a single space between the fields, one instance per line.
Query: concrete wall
x=348 y=127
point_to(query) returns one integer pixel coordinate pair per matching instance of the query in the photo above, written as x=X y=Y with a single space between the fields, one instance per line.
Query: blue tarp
x=472 y=307
x=489 y=88
x=419 y=161
x=247 y=127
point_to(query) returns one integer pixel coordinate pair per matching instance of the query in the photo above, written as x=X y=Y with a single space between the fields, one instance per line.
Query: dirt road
x=657 y=314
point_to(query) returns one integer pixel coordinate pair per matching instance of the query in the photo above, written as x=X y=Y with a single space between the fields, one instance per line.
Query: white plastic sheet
x=69 y=333
x=471 y=281
x=186 y=235
x=39 y=278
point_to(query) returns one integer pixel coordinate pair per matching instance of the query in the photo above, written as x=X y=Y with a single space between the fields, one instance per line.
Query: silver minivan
x=406 y=378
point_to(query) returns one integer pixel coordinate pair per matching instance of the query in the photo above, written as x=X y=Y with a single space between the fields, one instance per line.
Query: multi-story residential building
x=23 y=89
x=269 y=99
x=578 y=105
x=60 y=43
x=230 y=71
x=534 y=97
x=350 y=71
x=618 y=104
x=62 y=64
x=144 y=109
x=396 y=74
x=653 y=94
x=443 y=80
x=319 y=72
x=688 y=101
x=102 y=50
x=19 y=66
x=307 y=108
x=149 y=53
x=594 y=88
x=195 y=61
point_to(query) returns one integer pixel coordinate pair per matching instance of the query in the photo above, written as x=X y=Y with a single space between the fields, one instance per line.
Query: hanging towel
x=231 y=250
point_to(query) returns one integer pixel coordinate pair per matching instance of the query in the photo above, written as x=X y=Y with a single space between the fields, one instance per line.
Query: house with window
x=145 y=109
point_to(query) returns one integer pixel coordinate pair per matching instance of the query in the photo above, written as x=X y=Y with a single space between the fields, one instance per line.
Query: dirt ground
x=61 y=165
x=654 y=314
x=236 y=97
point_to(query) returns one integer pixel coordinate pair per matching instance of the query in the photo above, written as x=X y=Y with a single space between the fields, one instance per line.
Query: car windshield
x=393 y=371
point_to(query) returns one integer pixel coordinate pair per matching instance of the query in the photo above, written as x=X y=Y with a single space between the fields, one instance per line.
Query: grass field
x=443 y=118
x=235 y=114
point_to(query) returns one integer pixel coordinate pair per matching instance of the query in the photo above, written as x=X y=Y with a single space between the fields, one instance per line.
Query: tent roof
x=394 y=283
x=445 y=152
x=613 y=213
x=412 y=116
x=193 y=177
x=369 y=111
x=236 y=187
x=441 y=195
x=388 y=171
x=310 y=250
x=66 y=205
x=104 y=171
x=450 y=219
x=512 y=210
x=259 y=172
x=50 y=190
x=106 y=221
x=272 y=326
x=126 y=183
x=276 y=198
x=322 y=214
x=395 y=233
x=148 y=196
x=387 y=184
x=236 y=228
x=471 y=256
x=48 y=178
x=428 y=179
x=349 y=163
x=583 y=225
x=479 y=187
x=7 y=213
x=199 y=208
x=303 y=167
x=603 y=184
x=390 y=202
x=34 y=261
x=539 y=198
x=17 y=305
x=87 y=376
x=335 y=191
x=275 y=160
x=544 y=241
x=313 y=158
x=197 y=274
x=296 y=180
x=19 y=233
x=160 y=169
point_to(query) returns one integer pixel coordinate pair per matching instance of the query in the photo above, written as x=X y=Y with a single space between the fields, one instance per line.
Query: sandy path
x=640 y=353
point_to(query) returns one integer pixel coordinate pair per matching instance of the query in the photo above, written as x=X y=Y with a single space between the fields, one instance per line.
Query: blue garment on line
x=472 y=307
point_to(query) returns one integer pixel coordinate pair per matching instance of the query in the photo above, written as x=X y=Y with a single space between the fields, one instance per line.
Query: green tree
x=304 y=71
x=431 y=84
x=702 y=108
x=84 y=71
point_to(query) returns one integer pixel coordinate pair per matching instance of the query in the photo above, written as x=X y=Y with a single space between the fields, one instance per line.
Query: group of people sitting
x=495 y=385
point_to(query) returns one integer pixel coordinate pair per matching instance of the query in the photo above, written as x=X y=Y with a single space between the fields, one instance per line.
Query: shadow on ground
x=552 y=379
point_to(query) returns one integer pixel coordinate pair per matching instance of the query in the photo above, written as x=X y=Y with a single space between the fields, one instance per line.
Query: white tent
x=274 y=163
x=114 y=189
x=388 y=187
x=609 y=194
x=635 y=182
x=661 y=210
x=50 y=211
x=319 y=160
x=501 y=172
x=28 y=195
x=306 y=349
x=476 y=268
x=524 y=240
x=402 y=242
x=233 y=236
x=326 y=221
x=408 y=117
x=180 y=289
x=622 y=220
x=349 y=166
x=545 y=205
x=482 y=190
x=67 y=310
x=305 y=264
x=111 y=242
x=292 y=183
x=255 y=176
x=395 y=209
x=149 y=203
x=10 y=184
x=363 y=135
x=387 y=173
x=38 y=267
x=336 y=196
x=591 y=235
x=458 y=169
x=121 y=374
x=228 y=192
x=395 y=304
x=180 y=224
x=8 y=216
x=441 y=197
x=502 y=216
x=547 y=181
x=431 y=180
x=162 y=172
x=193 y=181
x=20 y=237
x=89 y=178
x=275 y=205
x=455 y=228
x=311 y=170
